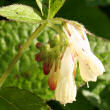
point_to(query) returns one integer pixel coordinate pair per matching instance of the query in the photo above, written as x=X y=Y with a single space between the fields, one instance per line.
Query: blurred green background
x=27 y=74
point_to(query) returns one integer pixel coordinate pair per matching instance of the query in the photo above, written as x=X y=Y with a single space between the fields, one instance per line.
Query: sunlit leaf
x=20 y=13
x=49 y=7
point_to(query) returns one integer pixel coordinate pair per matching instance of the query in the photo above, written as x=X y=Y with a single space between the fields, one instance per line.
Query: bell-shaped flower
x=90 y=66
x=62 y=80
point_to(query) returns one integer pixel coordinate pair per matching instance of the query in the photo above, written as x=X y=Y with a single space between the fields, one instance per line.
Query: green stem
x=59 y=31
x=21 y=50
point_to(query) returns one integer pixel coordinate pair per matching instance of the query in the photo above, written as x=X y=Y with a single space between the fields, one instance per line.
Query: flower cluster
x=62 y=65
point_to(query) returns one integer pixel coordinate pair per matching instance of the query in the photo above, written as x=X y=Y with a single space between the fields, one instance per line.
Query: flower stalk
x=20 y=52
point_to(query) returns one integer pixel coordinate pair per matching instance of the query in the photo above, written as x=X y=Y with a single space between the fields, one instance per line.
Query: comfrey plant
x=60 y=56
x=60 y=61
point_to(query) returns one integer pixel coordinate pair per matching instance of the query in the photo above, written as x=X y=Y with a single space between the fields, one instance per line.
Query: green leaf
x=81 y=103
x=99 y=96
x=54 y=6
x=27 y=73
x=95 y=99
x=20 y=13
x=43 y=6
x=49 y=7
x=19 y=99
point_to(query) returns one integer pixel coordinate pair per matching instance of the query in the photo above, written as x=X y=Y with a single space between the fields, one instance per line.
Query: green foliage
x=20 y=13
x=49 y=7
x=27 y=73
x=99 y=95
x=19 y=99
x=80 y=104
x=24 y=13
x=54 y=6
x=43 y=6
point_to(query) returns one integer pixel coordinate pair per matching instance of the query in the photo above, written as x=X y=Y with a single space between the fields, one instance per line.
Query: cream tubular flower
x=66 y=89
x=90 y=66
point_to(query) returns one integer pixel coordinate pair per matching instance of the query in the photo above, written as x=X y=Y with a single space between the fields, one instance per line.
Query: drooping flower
x=60 y=58
x=61 y=70
x=90 y=66
x=62 y=80
x=66 y=89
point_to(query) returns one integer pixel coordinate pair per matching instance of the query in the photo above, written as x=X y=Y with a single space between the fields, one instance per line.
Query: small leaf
x=49 y=7
x=20 y=13
x=54 y=6
x=19 y=99
x=43 y=6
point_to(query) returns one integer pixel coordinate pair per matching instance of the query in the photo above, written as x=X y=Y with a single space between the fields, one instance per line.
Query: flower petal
x=95 y=64
x=66 y=90
x=86 y=73
x=67 y=63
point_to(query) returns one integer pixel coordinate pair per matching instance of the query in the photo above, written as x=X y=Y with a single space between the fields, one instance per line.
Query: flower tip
x=52 y=84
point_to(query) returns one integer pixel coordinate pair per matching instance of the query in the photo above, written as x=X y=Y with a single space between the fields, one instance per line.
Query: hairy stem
x=20 y=52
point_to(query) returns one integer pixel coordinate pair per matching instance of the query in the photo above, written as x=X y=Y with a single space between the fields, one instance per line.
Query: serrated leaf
x=20 y=13
x=19 y=99
x=49 y=7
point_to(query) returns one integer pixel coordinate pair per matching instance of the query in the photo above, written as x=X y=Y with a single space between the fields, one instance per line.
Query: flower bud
x=46 y=68
x=38 y=57
x=38 y=45
x=55 y=41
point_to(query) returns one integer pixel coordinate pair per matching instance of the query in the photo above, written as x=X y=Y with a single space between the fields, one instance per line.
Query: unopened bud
x=55 y=41
x=38 y=57
x=38 y=45
x=46 y=68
